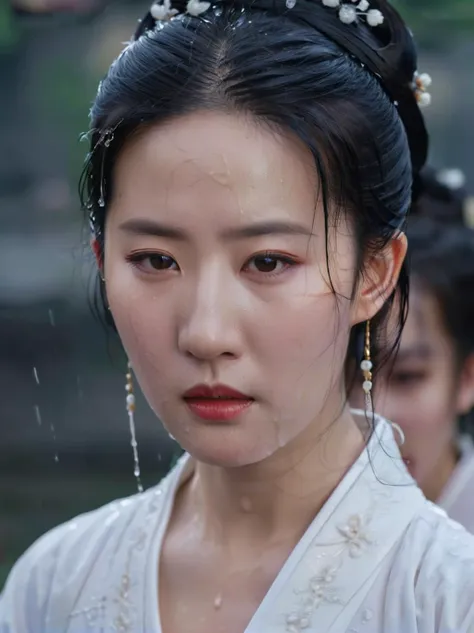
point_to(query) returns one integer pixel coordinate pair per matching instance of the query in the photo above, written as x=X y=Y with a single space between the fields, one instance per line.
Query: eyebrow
x=144 y=226
x=417 y=352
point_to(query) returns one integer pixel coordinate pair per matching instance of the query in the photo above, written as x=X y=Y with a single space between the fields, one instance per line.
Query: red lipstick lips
x=216 y=403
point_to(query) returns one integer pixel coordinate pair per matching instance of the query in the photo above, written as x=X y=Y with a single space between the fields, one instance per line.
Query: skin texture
x=215 y=270
x=425 y=393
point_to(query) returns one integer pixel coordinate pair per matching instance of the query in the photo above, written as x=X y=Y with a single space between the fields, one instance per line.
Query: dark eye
x=150 y=262
x=160 y=262
x=407 y=378
x=269 y=263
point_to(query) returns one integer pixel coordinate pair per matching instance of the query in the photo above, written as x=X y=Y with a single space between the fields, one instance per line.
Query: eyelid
x=138 y=257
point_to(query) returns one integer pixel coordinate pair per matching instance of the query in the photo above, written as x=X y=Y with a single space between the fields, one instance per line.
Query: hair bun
x=388 y=51
x=443 y=197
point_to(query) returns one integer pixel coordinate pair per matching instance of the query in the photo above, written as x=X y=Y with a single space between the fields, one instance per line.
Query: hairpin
x=421 y=83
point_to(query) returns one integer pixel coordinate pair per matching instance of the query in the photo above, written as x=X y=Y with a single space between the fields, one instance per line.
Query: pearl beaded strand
x=366 y=366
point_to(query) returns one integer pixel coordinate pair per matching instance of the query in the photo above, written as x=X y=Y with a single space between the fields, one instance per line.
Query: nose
x=210 y=327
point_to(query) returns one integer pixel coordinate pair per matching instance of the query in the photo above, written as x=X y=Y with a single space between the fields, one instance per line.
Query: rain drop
x=38 y=415
x=53 y=433
x=51 y=317
x=35 y=374
x=218 y=602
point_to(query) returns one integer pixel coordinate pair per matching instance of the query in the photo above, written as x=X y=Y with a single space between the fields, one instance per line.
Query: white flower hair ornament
x=163 y=11
x=350 y=12
x=421 y=83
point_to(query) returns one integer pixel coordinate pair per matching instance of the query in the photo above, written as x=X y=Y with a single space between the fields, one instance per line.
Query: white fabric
x=457 y=497
x=378 y=558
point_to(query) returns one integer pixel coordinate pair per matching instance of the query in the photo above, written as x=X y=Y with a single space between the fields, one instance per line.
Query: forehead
x=424 y=328
x=213 y=162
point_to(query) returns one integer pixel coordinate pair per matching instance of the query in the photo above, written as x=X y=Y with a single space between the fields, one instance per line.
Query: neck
x=277 y=498
x=438 y=479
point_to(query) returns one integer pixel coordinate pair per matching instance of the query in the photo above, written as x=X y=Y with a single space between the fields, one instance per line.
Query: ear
x=465 y=393
x=379 y=279
x=96 y=249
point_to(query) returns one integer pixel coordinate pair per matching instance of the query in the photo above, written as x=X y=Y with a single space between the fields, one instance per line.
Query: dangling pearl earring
x=366 y=366
x=130 y=400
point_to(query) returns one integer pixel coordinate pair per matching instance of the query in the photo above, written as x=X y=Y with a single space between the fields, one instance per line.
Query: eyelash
x=138 y=259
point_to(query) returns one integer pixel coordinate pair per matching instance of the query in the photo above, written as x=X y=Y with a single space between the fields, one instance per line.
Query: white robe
x=378 y=558
x=457 y=497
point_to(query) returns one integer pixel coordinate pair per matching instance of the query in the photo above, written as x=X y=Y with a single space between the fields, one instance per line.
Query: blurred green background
x=65 y=445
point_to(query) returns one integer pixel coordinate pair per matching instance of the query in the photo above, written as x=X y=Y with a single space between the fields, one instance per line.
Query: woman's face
x=215 y=273
x=425 y=391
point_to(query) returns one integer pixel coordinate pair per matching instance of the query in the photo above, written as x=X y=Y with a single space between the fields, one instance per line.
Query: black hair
x=346 y=90
x=441 y=255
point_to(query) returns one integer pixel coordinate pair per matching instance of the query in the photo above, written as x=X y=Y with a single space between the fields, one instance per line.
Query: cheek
x=143 y=321
x=426 y=414
x=302 y=345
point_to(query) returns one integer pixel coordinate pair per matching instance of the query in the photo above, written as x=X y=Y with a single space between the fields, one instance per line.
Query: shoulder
x=438 y=555
x=56 y=567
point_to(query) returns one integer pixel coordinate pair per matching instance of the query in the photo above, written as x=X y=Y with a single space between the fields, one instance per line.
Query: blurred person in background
x=429 y=390
x=251 y=166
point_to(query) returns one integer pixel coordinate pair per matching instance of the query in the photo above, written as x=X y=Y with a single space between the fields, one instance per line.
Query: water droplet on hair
x=290 y=4
x=101 y=202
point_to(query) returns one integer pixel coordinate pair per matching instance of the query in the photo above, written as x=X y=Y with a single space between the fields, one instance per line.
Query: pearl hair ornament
x=421 y=83
x=349 y=12
x=163 y=11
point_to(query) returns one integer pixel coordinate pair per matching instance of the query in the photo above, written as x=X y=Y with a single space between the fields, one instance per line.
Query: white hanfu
x=378 y=558
x=457 y=497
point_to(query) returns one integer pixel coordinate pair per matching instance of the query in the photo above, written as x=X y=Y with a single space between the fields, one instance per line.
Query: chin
x=224 y=448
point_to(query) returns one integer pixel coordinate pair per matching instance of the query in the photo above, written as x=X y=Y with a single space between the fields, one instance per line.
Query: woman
x=429 y=391
x=251 y=167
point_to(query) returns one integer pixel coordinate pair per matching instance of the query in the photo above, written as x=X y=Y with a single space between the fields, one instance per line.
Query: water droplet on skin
x=35 y=374
x=246 y=504
x=218 y=601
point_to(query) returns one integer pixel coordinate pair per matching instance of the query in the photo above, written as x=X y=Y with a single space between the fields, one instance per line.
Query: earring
x=366 y=366
x=130 y=401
